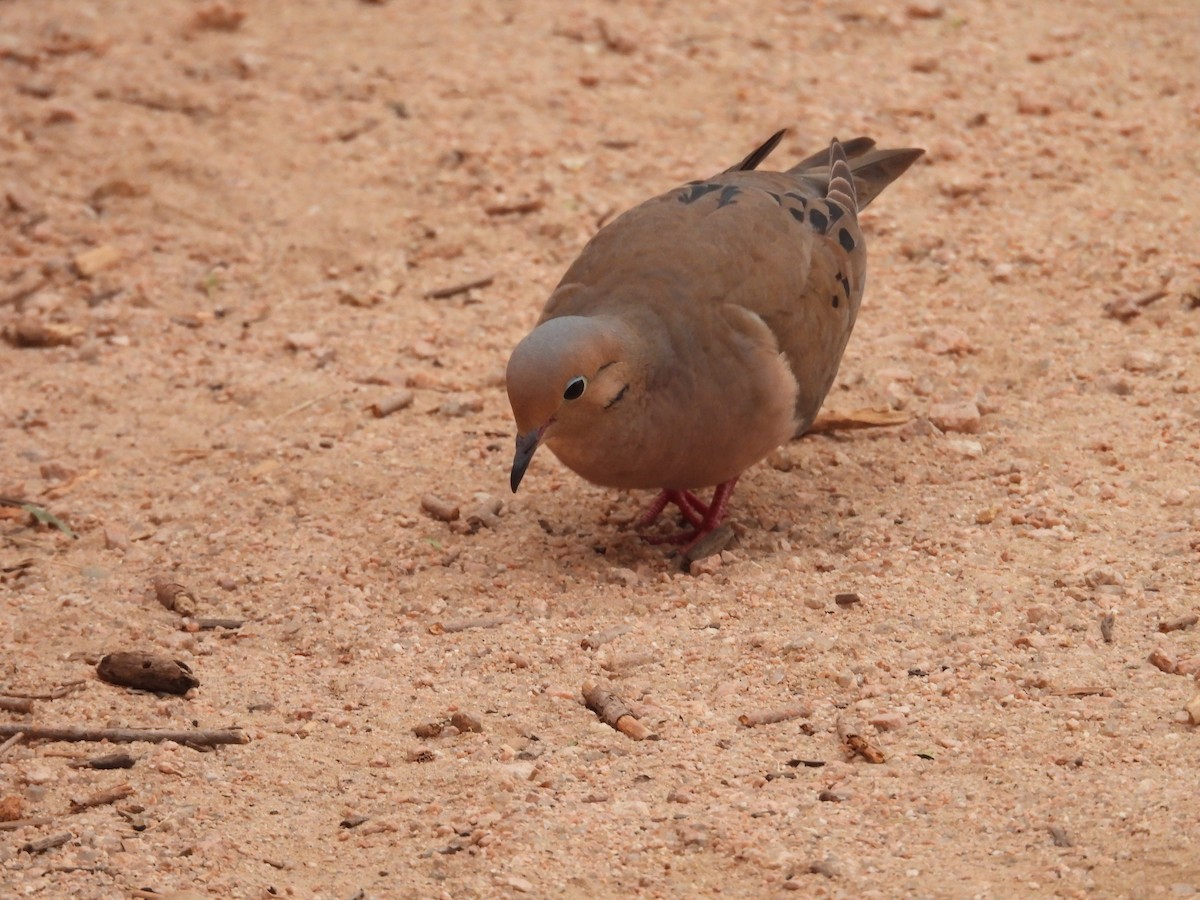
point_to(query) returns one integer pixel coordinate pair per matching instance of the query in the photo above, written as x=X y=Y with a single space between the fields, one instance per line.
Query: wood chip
x=857 y=744
x=147 y=672
x=613 y=712
x=103 y=798
x=436 y=507
x=521 y=207
x=396 y=402
x=1179 y=623
x=176 y=597
x=846 y=600
x=47 y=843
x=27 y=334
x=108 y=761
x=1163 y=661
x=1106 y=627
x=797 y=710
x=16 y=705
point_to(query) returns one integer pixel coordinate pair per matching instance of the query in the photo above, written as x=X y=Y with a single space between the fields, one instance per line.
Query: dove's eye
x=575 y=388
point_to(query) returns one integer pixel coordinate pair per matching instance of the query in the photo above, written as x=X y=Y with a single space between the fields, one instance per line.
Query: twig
x=199 y=737
x=16 y=704
x=57 y=693
x=467 y=624
x=11 y=742
x=16 y=824
x=47 y=843
x=797 y=710
x=598 y=639
x=1083 y=690
x=1179 y=623
x=521 y=206
x=612 y=711
x=147 y=672
x=205 y=624
x=299 y=407
x=456 y=289
x=103 y=798
x=110 y=761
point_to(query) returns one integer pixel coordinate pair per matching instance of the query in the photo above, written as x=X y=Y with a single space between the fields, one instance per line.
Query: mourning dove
x=702 y=329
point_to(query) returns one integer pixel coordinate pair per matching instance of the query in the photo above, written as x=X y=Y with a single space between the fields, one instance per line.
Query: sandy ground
x=221 y=226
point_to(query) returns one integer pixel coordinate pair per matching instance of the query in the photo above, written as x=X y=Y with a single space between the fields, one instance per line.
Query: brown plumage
x=702 y=329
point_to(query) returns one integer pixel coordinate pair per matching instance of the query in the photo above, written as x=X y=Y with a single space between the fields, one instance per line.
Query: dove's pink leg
x=704 y=518
x=692 y=507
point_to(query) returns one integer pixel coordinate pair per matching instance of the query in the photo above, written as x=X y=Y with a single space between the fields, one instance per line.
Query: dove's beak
x=527 y=444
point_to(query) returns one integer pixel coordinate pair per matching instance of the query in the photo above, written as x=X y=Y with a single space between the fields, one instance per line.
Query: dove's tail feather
x=752 y=161
x=873 y=169
x=841 y=179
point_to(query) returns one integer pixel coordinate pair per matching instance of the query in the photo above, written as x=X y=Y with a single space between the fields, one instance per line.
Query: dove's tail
x=871 y=170
x=841 y=179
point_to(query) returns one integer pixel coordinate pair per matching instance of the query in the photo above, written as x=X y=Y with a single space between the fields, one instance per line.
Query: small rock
x=621 y=575
x=948 y=339
x=1142 y=361
x=98 y=259
x=465 y=722
x=961 y=417
x=464 y=405
x=302 y=340
x=924 y=10
x=888 y=721
x=1163 y=661
x=1103 y=575
x=1193 y=710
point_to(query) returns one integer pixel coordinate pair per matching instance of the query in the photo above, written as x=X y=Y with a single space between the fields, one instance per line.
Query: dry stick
x=858 y=745
x=199 y=737
x=305 y=405
x=16 y=704
x=600 y=638
x=867 y=417
x=797 y=710
x=11 y=742
x=455 y=290
x=1106 y=627
x=612 y=711
x=47 y=843
x=205 y=624
x=521 y=206
x=58 y=693
x=25 y=823
x=467 y=624
x=104 y=797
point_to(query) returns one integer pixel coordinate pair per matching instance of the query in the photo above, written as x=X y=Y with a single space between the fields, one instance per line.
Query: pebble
x=962 y=417
x=888 y=721
x=442 y=510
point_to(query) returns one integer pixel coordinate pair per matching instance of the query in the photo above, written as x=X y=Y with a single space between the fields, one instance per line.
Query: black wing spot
x=799 y=198
x=727 y=195
x=613 y=402
x=844 y=282
x=835 y=212
x=818 y=220
x=698 y=191
x=835 y=300
x=797 y=214
x=846 y=239
x=774 y=197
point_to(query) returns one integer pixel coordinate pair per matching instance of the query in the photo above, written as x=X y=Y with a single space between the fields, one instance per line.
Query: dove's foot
x=703 y=517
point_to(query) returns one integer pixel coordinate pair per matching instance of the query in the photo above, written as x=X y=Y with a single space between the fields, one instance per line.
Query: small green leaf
x=48 y=518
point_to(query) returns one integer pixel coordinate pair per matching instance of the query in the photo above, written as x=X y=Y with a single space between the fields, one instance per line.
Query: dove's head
x=564 y=380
